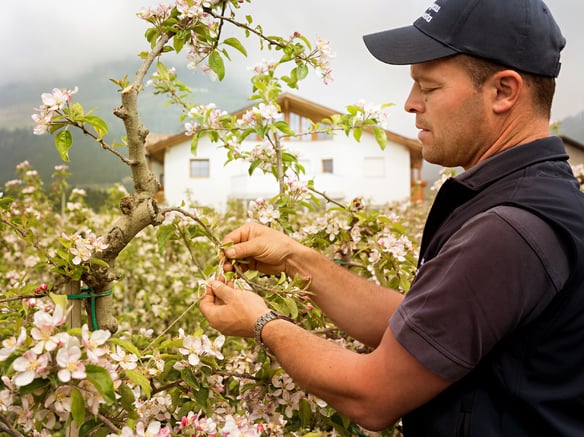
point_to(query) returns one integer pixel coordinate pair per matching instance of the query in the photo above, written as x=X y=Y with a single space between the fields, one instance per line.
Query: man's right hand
x=262 y=248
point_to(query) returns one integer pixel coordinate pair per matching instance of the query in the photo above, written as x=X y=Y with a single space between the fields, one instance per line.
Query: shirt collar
x=512 y=160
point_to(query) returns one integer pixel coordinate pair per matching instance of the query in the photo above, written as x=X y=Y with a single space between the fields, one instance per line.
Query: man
x=489 y=339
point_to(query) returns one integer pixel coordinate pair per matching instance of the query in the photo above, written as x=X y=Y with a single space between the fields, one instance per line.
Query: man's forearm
x=357 y=305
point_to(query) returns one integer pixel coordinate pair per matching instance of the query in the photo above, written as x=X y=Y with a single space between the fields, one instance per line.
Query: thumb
x=220 y=289
x=235 y=252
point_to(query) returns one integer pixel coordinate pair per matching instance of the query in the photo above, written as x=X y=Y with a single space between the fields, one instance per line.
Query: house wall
x=385 y=177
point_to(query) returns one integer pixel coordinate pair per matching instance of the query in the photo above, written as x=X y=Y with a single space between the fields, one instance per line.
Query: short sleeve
x=494 y=274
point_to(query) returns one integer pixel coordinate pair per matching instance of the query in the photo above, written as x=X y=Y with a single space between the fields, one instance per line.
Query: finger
x=240 y=238
x=221 y=290
x=207 y=303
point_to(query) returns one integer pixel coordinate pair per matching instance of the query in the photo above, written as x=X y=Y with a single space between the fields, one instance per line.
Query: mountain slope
x=89 y=163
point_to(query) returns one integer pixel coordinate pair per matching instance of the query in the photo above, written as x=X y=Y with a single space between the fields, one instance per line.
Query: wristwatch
x=265 y=318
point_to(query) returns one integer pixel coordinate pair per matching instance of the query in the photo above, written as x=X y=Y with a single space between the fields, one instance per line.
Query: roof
x=157 y=144
x=572 y=142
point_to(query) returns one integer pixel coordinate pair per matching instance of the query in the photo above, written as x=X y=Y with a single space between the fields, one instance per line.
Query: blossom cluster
x=264 y=66
x=260 y=114
x=63 y=359
x=325 y=56
x=399 y=247
x=204 y=117
x=190 y=13
x=370 y=111
x=53 y=103
x=84 y=245
x=263 y=211
x=297 y=189
x=220 y=425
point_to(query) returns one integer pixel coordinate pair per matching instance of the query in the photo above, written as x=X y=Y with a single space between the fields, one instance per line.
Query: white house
x=340 y=166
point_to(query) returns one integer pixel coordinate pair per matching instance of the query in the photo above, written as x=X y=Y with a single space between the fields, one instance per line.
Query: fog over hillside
x=89 y=163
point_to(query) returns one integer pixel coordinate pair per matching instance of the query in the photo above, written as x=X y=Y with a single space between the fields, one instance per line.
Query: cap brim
x=405 y=46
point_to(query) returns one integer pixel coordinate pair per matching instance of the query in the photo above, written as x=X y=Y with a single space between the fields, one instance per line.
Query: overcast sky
x=61 y=37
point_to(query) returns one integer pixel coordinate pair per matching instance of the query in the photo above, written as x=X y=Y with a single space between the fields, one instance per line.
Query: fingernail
x=230 y=252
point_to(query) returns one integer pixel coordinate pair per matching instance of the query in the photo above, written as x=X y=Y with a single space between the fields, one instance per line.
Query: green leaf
x=59 y=299
x=357 y=132
x=164 y=234
x=284 y=127
x=102 y=381
x=302 y=71
x=304 y=412
x=63 y=141
x=141 y=380
x=101 y=128
x=90 y=428
x=189 y=377
x=216 y=64
x=178 y=43
x=292 y=307
x=5 y=202
x=250 y=275
x=254 y=165
x=98 y=262
x=234 y=42
x=201 y=396
x=128 y=346
x=380 y=137
x=77 y=407
x=127 y=398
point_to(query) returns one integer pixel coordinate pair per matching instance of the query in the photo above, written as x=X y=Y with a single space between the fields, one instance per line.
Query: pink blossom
x=92 y=342
x=10 y=344
x=127 y=361
x=42 y=122
x=44 y=326
x=195 y=347
x=69 y=359
x=60 y=401
x=268 y=112
x=28 y=367
x=57 y=98
x=153 y=430
x=324 y=61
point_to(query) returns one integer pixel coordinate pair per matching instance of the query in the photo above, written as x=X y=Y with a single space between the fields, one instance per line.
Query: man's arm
x=374 y=389
x=360 y=307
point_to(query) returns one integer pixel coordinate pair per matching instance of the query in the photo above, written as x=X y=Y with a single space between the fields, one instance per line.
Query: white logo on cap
x=433 y=8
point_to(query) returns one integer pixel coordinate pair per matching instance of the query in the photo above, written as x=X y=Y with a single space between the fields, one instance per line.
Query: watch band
x=263 y=320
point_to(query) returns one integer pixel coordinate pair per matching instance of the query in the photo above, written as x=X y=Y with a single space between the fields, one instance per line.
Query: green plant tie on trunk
x=92 y=295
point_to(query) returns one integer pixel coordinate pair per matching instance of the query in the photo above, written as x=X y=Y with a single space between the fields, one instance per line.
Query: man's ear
x=508 y=85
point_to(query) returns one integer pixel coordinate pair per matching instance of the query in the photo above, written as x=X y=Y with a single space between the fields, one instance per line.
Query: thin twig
x=6 y=427
x=108 y=423
x=327 y=198
x=170 y=326
x=189 y=248
x=26 y=296
x=206 y=228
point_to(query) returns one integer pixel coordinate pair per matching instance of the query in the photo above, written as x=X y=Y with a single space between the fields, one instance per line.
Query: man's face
x=451 y=113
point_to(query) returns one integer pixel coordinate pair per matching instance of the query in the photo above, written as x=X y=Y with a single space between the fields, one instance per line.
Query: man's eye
x=426 y=90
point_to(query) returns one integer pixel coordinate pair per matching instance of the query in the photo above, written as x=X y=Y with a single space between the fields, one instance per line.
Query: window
x=301 y=125
x=199 y=168
x=327 y=165
x=374 y=167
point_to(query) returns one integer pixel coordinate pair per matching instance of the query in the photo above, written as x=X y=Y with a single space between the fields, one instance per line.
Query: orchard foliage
x=143 y=361
x=165 y=372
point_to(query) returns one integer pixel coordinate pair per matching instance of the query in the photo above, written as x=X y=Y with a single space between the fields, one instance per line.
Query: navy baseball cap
x=520 y=34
